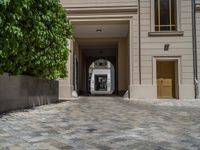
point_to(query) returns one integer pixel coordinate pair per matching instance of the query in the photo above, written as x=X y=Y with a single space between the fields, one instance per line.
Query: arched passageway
x=96 y=45
x=101 y=78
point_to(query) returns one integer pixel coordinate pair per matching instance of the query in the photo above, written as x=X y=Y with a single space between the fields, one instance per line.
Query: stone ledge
x=163 y=33
x=104 y=9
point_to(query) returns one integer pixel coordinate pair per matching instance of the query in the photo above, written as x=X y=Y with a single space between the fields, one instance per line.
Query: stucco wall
x=123 y=76
x=180 y=46
x=198 y=42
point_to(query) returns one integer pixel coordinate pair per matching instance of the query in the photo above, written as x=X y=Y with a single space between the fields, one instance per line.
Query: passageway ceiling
x=101 y=31
x=98 y=47
x=98 y=38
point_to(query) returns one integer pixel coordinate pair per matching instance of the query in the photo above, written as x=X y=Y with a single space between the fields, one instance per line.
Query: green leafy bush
x=33 y=38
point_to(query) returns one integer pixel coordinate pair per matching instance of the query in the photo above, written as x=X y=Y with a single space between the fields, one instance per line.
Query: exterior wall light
x=166 y=47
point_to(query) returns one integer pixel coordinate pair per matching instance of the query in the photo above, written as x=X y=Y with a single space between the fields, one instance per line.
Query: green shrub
x=33 y=38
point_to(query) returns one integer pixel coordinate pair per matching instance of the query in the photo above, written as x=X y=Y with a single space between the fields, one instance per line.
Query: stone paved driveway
x=104 y=123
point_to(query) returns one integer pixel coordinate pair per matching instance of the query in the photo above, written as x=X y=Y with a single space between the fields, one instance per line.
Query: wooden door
x=166 y=79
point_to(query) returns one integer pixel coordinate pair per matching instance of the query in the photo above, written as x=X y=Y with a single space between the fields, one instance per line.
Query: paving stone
x=104 y=123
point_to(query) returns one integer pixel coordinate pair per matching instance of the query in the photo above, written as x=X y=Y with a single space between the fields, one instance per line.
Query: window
x=165 y=15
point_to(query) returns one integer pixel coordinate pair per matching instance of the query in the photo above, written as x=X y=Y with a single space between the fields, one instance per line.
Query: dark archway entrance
x=88 y=57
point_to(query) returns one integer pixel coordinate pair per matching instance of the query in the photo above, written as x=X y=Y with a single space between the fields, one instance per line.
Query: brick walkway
x=104 y=123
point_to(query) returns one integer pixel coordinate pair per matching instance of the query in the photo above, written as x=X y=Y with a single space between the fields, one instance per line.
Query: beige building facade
x=153 y=58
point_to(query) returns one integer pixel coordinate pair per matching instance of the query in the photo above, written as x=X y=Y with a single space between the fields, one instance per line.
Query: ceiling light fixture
x=99 y=30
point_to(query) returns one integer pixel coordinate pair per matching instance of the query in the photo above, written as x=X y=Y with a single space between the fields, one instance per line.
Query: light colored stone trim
x=143 y=91
x=105 y=9
x=100 y=17
x=66 y=85
x=176 y=33
x=131 y=65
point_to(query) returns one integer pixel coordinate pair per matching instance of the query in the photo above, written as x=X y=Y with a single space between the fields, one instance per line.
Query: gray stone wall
x=18 y=92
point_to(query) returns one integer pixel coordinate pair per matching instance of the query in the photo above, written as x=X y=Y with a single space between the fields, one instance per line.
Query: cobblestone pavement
x=104 y=123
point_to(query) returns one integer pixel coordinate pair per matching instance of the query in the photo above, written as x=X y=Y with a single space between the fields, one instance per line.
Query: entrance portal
x=102 y=41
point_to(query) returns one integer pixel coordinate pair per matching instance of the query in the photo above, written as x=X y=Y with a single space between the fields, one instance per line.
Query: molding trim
x=105 y=17
x=101 y=9
x=161 y=34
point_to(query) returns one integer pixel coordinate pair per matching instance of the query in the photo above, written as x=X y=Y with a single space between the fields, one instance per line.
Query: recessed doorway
x=101 y=82
x=167 y=79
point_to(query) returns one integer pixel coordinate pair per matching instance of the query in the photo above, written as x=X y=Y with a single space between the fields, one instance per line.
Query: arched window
x=165 y=15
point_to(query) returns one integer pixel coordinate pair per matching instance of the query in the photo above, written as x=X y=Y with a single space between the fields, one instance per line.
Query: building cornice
x=108 y=9
x=101 y=9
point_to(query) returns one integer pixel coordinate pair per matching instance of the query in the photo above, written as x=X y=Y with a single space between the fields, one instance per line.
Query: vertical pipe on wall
x=139 y=24
x=194 y=44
